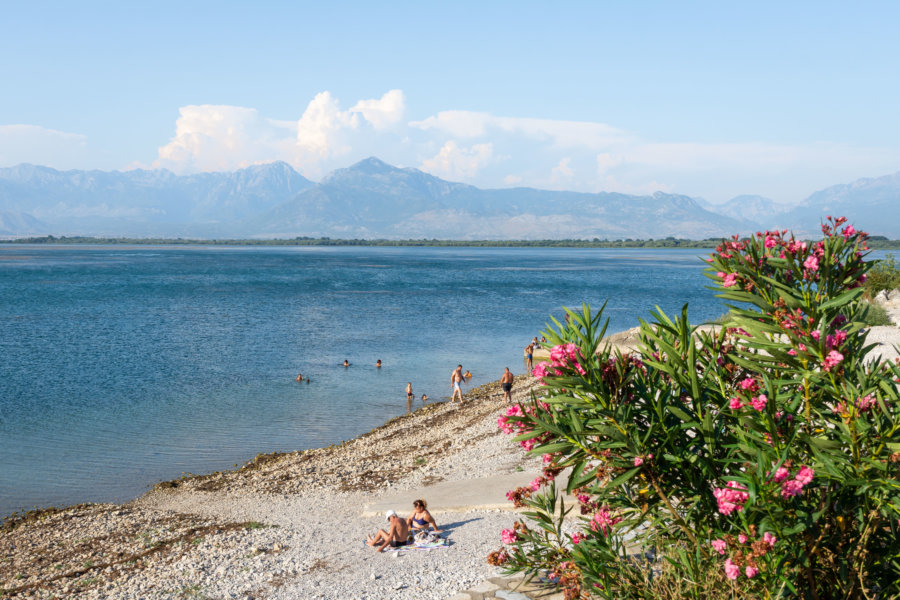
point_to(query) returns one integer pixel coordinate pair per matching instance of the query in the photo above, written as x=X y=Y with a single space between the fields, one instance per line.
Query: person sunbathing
x=421 y=519
x=395 y=537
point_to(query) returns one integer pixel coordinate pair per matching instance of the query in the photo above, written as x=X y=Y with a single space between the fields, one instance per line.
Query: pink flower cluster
x=751 y=386
x=863 y=404
x=508 y=536
x=792 y=487
x=603 y=520
x=732 y=570
x=578 y=537
x=731 y=497
x=832 y=359
x=510 y=426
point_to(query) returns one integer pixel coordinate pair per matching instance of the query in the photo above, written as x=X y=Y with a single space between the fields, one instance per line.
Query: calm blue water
x=121 y=367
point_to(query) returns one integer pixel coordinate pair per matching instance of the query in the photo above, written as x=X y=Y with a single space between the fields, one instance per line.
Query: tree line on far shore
x=875 y=242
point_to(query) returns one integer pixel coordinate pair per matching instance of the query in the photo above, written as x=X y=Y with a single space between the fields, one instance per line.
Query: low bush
x=884 y=275
x=758 y=461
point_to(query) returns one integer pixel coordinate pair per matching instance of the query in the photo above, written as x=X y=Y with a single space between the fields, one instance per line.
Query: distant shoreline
x=876 y=243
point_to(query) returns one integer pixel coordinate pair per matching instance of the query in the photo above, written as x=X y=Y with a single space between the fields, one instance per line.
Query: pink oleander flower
x=751 y=572
x=802 y=347
x=811 y=263
x=814 y=334
x=781 y=474
x=866 y=402
x=749 y=384
x=735 y=403
x=792 y=352
x=548 y=458
x=719 y=546
x=742 y=538
x=536 y=484
x=583 y=498
x=731 y=569
x=805 y=475
x=578 y=537
x=540 y=370
x=731 y=498
x=638 y=461
x=508 y=536
x=770 y=242
x=832 y=360
x=603 y=520
x=729 y=280
x=791 y=488
x=759 y=403
x=769 y=539
x=848 y=231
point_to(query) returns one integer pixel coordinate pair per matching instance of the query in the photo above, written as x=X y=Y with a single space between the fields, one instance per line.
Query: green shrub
x=884 y=275
x=874 y=315
x=760 y=461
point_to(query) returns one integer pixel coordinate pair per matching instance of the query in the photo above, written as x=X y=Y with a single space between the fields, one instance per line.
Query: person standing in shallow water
x=506 y=383
x=456 y=378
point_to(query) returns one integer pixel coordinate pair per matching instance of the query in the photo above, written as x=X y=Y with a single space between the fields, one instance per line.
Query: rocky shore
x=285 y=525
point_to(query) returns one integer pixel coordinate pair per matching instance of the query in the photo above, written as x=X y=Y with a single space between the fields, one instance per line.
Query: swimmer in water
x=378 y=364
x=346 y=363
x=299 y=377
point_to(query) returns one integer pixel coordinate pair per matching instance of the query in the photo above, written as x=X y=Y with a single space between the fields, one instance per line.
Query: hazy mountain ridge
x=372 y=199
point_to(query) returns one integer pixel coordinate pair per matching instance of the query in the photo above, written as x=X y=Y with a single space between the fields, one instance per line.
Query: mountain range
x=372 y=199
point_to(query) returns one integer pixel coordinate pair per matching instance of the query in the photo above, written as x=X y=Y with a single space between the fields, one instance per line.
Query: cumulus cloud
x=216 y=137
x=453 y=161
x=39 y=145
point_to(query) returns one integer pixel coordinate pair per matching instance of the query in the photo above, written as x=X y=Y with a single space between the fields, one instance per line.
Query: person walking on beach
x=529 y=356
x=506 y=383
x=456 y=378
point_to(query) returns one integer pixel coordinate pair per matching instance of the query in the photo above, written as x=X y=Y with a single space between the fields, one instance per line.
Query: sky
x=707 y=99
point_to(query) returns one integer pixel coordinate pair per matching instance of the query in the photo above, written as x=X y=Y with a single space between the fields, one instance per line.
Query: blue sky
x=708 y=99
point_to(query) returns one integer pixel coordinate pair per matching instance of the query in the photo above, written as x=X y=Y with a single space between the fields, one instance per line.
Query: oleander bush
x=756 y=460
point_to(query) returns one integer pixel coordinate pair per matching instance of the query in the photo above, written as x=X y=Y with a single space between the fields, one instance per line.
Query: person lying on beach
x=396 y=536
x=421 y=519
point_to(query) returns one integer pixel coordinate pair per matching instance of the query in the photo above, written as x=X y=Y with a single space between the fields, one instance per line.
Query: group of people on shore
x=401 y=532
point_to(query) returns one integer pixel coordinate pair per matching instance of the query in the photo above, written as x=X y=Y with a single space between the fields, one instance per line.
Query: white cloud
x=564 y=134
x=384 y=112
x=39 y=145
x=215 y=137
x=453 y=161
x=563 y=170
